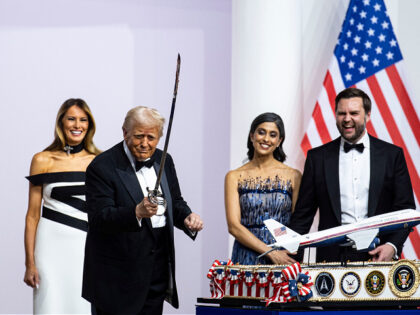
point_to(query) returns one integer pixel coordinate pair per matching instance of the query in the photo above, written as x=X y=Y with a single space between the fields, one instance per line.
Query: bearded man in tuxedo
x=129 y=257
x=351 y=178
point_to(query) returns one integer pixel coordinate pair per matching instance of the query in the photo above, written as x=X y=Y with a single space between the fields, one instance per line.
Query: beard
x=358 y=131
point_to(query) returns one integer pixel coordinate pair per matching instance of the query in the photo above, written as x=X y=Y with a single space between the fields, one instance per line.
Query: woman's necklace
x=74 y=149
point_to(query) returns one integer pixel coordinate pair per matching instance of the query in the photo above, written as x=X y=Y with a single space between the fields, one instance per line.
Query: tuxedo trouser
x=160 y=277
x=153 y=304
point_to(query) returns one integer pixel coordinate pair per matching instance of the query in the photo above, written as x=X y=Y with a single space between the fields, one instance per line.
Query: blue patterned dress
x=261 y=199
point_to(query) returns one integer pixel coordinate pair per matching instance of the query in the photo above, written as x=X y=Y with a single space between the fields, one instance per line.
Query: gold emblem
x=403 y=278
x=350 y=284
x=375 y=283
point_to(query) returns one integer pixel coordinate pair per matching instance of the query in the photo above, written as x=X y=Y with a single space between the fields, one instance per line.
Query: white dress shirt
x=147 y=178
x=354 y=175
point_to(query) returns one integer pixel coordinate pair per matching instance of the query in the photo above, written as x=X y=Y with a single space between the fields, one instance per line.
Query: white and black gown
x=60 y=244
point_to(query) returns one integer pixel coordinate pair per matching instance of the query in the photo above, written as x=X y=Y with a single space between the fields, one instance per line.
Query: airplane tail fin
x=285 y=237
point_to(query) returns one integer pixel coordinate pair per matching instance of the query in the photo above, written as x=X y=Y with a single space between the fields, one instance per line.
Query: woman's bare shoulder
x=295 y=172
x=41 y=162
x=239 y=172
x=89 y=157
x=231 y=175
x=42 y=156
x=290 y=170
x=287 y=173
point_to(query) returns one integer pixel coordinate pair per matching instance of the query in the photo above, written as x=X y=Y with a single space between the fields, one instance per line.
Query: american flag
x=367 y=56
x=280 y=231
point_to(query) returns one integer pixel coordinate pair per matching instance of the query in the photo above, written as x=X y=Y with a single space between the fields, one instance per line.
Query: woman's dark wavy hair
x=268 y=117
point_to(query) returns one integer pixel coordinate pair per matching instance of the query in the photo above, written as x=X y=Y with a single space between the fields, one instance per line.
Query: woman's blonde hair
x=59 y=138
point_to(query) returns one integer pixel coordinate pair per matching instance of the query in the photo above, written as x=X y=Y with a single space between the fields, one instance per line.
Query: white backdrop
x=39 y=70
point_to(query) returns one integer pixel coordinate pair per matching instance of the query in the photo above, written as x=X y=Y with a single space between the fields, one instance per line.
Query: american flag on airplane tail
x=367 y=56
x=279 y=231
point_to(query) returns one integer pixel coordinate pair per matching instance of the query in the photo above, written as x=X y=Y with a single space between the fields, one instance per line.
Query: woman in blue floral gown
x=261 y=189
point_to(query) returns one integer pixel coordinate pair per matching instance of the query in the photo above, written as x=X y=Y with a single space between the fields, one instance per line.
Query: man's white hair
x=145 y=116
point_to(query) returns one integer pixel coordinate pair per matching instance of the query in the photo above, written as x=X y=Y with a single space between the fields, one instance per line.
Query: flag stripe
x=329 y=87
x=313 y=135
x=371 y=129
x=415 y=239
x=376 y=126
x=305 y=145
x=405 y=101
x=327 y=113
x=393 y=130
x=320 y=124
x=408 y=250
x=334 y=70
x=399 y=117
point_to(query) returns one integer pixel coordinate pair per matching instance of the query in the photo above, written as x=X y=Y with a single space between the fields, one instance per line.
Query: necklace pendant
x=68 y=149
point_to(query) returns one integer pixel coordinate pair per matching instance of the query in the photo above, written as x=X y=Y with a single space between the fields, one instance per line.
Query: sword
x=155 y=195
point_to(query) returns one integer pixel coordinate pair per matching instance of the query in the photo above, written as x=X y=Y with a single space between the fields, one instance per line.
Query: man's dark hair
x=353 y=92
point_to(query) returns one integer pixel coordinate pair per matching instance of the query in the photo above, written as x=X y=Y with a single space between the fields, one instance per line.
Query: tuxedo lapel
x=129 y=180
x=331 y=176
x=377 y=169
x=131 y=183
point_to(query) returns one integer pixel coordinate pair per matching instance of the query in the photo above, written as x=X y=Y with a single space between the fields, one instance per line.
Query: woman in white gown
x=56 y=221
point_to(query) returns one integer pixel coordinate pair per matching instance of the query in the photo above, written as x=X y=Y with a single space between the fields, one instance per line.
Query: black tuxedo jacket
x=118 y=255
x=389 y=190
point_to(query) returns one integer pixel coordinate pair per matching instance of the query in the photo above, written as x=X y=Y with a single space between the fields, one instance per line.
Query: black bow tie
x=140 y=164
x=348 y=146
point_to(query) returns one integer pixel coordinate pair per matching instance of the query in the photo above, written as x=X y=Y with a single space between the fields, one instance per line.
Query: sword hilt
x=156 y=197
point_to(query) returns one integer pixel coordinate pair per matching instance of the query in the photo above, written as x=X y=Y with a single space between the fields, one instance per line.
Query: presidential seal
x=324 y=284
x=350 y=284
x=375 y=282
x=403 y=278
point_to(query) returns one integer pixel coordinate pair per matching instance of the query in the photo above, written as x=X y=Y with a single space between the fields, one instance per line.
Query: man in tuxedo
x=351 y=178
x=129 y=257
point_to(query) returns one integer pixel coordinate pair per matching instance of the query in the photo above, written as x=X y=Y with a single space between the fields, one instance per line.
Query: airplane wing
x=363 y=239
x=285 y=237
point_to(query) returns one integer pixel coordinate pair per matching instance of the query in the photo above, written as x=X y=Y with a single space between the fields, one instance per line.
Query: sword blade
x=168 y=133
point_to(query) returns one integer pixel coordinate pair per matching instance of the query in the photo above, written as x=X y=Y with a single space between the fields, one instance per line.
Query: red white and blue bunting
x=275 y=286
